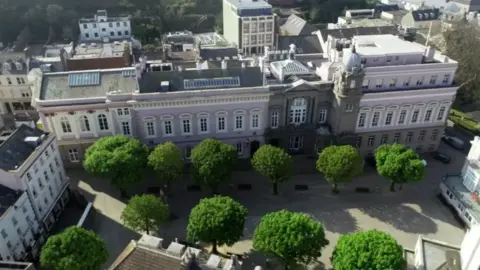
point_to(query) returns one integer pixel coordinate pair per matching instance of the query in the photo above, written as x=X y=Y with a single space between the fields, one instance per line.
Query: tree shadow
x=402 y=217
x=337 y=221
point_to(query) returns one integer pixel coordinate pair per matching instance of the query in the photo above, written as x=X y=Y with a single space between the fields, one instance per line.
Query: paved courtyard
x=405 y=214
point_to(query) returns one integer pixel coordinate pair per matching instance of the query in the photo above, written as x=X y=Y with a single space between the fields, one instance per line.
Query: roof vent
x=165 y=86
x=33 y=141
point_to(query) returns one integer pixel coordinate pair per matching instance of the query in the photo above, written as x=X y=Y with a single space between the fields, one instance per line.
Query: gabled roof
x=425 y=14
x=305 y=44
x=296 y=26
x=14 y=150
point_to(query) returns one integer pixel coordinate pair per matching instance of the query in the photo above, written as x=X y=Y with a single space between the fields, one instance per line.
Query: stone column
x=74 y=125
x=111 y=123
x=93 y=124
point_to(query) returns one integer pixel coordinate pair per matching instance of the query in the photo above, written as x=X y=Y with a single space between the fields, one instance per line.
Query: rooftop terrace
x=455 y=184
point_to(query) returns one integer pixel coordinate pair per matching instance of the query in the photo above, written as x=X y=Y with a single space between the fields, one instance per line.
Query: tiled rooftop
x=14 y=150
x=455 y=184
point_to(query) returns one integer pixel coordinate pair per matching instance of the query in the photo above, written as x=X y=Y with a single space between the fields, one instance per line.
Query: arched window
x=102 y=122
x=84 y=124
x=66 y=128
x=298 y=111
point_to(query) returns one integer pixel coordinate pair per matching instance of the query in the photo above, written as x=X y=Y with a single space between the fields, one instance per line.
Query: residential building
x=30 y=164
x=462 y=190
x=421 y=18
x=154 y=104
x=101 y=26
x=249 y=24
x=385 y=90
x=432 y=254
x=15 y=93
x=467 y=5
x=149 y=253
x=102 y=55
x=19 y=227
x=12 y=265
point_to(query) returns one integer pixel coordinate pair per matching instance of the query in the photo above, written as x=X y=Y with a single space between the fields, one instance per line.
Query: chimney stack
x=244 y=65
x=224 y=64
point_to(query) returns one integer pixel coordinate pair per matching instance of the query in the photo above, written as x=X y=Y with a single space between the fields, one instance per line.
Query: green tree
x=167 y=161
x=399 y=164
x=74 y=249
x=339 y=164
x=218 y=220
x=373 y=250
x=212 y=163
x=145 y=213
x=292 y=237
x=150 y=48
x=120 y=158
x=273 y=163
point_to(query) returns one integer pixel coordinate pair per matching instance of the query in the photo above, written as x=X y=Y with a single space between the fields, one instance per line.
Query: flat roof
x=14 y=150
x=435 y=253
x=385 y=44
x=8 y=197
x=249 y=4
x=455 y=184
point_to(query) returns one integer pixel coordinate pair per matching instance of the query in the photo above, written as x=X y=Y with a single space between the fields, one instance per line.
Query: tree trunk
x=275 y=188
x=214 y=247
x=334 y=188
x=147 y=227
x=392 y=187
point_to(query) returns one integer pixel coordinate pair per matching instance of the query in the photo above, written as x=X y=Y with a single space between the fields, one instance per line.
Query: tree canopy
x=292 y=237
x=167 y=161
x=74 y=249
x=373 y=250
x=218 y=220
x=273 y=163
x=145 y=213
x=120 y=158
x=339 y=164
x=399 y=164
x=213 y=162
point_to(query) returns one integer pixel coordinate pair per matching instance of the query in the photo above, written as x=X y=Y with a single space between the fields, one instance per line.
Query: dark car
x=441 y=157
x=454 y=142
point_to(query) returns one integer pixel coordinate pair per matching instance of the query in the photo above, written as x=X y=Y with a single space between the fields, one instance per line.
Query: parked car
x=454 y=142
x=441 y=157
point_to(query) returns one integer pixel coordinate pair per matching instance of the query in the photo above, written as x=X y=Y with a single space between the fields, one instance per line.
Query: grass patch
x=461 y=119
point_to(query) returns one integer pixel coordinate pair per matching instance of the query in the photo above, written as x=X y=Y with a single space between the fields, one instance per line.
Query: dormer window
x=19 y=66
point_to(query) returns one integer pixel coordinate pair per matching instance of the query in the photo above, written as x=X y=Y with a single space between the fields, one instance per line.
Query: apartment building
x=101 y=26
x=154 y=105
x=249 y=24
x=30 y=164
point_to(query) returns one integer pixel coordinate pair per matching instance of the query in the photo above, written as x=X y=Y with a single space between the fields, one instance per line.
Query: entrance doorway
x=254 y=145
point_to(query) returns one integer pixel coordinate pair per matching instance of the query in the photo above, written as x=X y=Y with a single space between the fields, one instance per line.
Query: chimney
x=291 y=52
x=138 y=71
x=244 y=65
x=224 y=64
x=143 y=62
x=199 y=65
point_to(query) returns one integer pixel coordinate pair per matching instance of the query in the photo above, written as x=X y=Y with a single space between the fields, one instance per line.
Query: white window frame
x=206 y=118
x=167 y=119
x=274 y=119
x=294 y=145
x=126 y=126
x=102 y=122
x=65 y=125
x=221 y=115
x=365 y=84
x=187 y=152
x=184 y=117
x=255 y=113
x=322 y=115
x=84 y=124
x=73 y=155
x=239 y=115
x=149 y=124
x=239 y=147
x=298 y=111
x=120 y=112
x=363 y=120
x=377 y=122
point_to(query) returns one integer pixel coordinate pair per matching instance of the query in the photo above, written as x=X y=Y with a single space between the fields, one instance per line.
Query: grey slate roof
x=348 y=33
x=296 y=26
x=8 y=197
x=305 y=44
x=151 y=81
x=56 y=85
x=214 y=53
x=14 y=150
x=8 y=57
x=425 y=14
x=380 y=8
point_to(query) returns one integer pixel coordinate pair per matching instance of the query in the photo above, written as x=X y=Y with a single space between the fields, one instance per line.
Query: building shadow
x=338 y=221
x=402 y=217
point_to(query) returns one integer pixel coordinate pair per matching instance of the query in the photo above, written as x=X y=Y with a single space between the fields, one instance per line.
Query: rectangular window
x=73 y=155
x=238 y=122
x=441 y=113
x=376 y=117
x=365 y=84
x=296 y=142
x=50 y=167
x=187 y=126
x=322 y=118
x=167 y=128
x=446 y=78
x=396 y=138
x=126 y=128
x=150 y=126
x=415 y=116
x=388 y=118
x=221 y=124
x=393 y=82
x=298 y=116
x=433 y=79
x=119 y=112
x=371 y=141
x=349 y=107
x=14 y=221
x=379 y=83
x=361 y=120
x=389 y=59
x=203 y=122
x=421 y=137
x=188 y=152
x=29 y=176
x=239 y=147
x=118 y=24
x=274 y=120
x=420 y=81
x=428 y=115
x=359 y=141
x=401 y=118
x=384 y=139
x=408 y=139
x=434 y=135
x=56 y=162
x=255 y=124
x=126 y=111
x=85 y=26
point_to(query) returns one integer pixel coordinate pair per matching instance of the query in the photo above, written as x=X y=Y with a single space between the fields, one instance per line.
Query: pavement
x=405 y=214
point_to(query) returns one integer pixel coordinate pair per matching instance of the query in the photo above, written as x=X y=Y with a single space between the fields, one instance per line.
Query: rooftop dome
x=351 y=60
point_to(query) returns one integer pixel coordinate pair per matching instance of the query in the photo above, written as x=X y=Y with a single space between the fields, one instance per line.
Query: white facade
x=470 y=249
x=17 y=228
x=101 y=26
